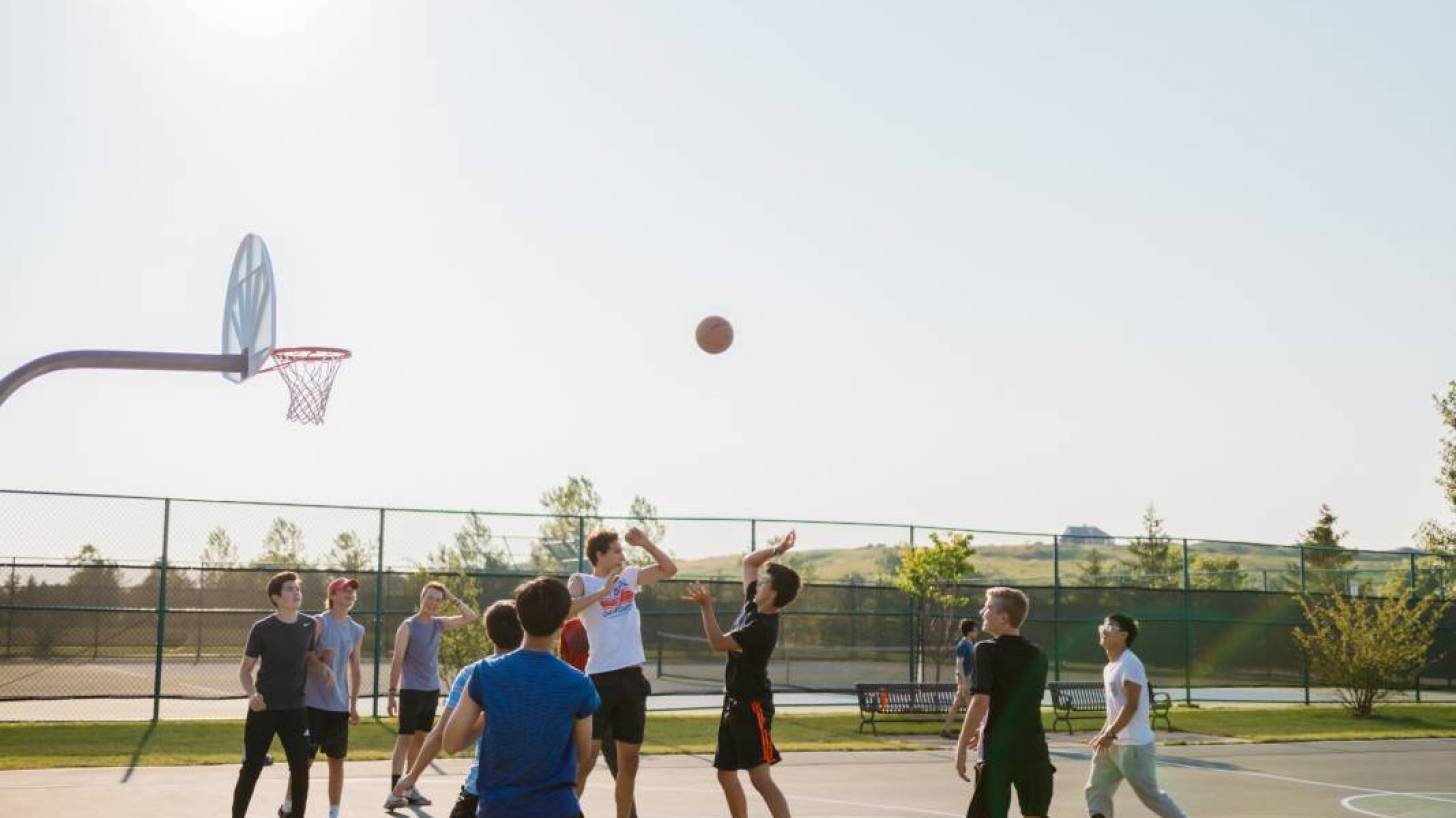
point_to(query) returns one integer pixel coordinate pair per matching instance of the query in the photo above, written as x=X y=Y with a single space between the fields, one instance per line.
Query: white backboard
x=249 y=319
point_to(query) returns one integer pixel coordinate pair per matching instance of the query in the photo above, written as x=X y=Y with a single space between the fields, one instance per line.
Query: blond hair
x=1009 y=601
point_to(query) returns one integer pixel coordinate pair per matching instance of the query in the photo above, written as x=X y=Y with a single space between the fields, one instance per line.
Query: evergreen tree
x=1326 y=561
x=1155 y=563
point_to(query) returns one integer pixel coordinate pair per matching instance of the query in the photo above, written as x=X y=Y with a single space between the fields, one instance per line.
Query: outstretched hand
x=636 y=536
x=697 y=592
x=788 y=542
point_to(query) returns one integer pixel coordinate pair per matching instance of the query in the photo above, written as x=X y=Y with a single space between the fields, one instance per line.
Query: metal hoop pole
x=121 y=359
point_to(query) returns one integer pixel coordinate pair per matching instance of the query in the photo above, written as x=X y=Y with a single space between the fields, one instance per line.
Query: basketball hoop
x=309 y=373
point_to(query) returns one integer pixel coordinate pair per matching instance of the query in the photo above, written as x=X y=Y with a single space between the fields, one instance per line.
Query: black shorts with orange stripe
x=745 y=734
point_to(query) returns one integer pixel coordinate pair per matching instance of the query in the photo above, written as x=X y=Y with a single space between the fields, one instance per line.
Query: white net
x=309 y=373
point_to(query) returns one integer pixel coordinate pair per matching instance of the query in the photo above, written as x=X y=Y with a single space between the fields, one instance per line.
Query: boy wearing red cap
x=333 y=704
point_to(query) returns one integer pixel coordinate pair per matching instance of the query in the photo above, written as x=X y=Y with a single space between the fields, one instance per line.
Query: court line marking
x=1345 y=802
x=1368 y=791
x=891 y=807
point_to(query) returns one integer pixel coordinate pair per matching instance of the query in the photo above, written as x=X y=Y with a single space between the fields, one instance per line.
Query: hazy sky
x=1006 y=265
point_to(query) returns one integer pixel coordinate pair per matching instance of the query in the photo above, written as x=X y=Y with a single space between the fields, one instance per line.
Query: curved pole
x=120 y=359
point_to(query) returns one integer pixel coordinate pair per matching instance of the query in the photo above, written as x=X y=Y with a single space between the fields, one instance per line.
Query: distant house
x=1086 y=535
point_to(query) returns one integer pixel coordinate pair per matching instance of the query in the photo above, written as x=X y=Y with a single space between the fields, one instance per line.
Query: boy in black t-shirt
x=1003 y=723
x=282 y=648
x=745 y=733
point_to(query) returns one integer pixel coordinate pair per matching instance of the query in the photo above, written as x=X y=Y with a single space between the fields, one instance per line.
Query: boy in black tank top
x=1003 y=723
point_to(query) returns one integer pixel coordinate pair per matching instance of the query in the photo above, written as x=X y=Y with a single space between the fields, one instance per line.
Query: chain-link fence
x=136 y=604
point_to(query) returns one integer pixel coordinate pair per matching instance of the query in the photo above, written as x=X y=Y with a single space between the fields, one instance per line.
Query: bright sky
x=1001 y=265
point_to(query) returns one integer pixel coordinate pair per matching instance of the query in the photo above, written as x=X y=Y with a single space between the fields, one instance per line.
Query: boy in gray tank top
x=332 y=704
x=414 y=682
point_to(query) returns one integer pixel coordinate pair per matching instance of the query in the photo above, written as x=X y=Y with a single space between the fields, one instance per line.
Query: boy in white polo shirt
x=1124 y=748
x=606 y=601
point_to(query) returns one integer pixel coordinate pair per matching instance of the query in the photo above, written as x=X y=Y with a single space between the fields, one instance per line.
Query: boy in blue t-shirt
x=504 y=629
x=538 y=713
x=965 y=651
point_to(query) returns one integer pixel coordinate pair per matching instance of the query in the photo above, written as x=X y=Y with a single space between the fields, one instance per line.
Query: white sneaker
x=416 y=799
x=394 y=802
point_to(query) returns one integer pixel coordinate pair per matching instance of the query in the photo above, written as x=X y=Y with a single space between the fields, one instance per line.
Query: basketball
x=715 y=334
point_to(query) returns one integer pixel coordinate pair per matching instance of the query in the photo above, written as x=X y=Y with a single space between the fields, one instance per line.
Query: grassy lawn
x=96 y=744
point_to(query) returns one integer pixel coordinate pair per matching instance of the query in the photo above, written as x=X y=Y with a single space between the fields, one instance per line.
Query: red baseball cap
x=341 y=583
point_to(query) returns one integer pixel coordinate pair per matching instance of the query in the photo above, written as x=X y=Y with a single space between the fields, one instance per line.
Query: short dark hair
x=1126 y=624
x=598 y=543
x=967 y=626
x=542 y=604
x=503 y=626
x=785 y=581
x=275 y=584
x=434 y=585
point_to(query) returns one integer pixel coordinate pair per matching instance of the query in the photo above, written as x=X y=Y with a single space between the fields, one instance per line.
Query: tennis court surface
x=1385 y=779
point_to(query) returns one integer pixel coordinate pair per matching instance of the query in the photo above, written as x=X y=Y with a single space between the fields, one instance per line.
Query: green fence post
x=914 y=632
x=161 y=611
x=1057 y=607
x=1187 y=632
x=378 y=613
x=753 y=535
x=580 y=544
x=1413 y=574
x=1302 y=588
x=10 y=614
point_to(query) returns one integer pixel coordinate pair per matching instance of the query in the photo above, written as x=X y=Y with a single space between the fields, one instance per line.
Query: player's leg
x=762 y=779
x=335 y=744
x=292 y=726
x=427 y=702
x=733 y=793
x=950 y=728
x=1139 y=766
x=628 y=725
x=1033 y=778
x=257 y=736
x=408 y=714
x=992 y=795
x=466 y=806
x=1103 y=780
x=628 y=757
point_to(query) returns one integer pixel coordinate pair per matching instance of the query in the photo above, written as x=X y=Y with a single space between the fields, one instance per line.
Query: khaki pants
x=1138 y=764
x=962 y=699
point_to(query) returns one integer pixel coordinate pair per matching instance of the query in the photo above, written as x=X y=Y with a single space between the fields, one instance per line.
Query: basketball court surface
x=1383 y=779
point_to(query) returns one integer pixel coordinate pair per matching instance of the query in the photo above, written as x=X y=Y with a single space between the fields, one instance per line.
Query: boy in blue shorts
x=538 y=716
x=504 y=629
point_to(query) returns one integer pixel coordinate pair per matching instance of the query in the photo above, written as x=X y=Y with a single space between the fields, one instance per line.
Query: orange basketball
x=715 y=334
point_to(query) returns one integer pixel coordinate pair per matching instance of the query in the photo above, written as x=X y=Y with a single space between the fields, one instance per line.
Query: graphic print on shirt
x=620 y=601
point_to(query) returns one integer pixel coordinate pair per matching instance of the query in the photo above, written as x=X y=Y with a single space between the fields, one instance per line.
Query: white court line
x=892 y=807
x=1425 y=796
x=1368 y=791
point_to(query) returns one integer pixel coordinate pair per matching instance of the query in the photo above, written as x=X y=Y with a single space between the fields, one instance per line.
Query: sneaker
x=394 y=802
x=416 y=799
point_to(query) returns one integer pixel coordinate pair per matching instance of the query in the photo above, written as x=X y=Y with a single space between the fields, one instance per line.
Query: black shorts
x=466 y=805
x=417 y=710
x=1032 y=778
x=624 y=704
x=328 y=730
x=745 y=735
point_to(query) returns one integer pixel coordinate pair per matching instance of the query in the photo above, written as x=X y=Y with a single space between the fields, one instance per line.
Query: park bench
x=1071 y=700
x=908 y=701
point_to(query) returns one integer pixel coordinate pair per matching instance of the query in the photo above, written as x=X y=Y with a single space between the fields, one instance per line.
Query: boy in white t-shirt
x=606 y=601
x=1124 y=748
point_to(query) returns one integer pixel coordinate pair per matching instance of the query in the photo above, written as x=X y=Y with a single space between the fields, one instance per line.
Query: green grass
x=30 y=745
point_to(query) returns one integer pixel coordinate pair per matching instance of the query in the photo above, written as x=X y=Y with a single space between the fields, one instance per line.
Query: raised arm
x=665 y=567
x=697 y=593
x=467 y=615
x=580 y=599
x=755 y=559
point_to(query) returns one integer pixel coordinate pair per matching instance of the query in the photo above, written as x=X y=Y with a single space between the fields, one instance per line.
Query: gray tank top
x=422 y=655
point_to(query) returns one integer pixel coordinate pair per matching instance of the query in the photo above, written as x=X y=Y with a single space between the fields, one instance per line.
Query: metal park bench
x=903 y=701
x=1071 y=700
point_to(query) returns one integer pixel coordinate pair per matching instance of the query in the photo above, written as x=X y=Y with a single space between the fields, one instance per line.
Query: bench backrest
x=1077 y=695
x=902 y=697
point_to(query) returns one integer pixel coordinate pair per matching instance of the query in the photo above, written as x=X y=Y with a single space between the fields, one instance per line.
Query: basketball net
x=309 y=373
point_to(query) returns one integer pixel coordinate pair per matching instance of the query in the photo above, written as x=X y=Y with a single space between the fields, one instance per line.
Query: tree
x=576 y=508
x=644 y=516
x=1207 y=572
x=97 y=582
x=931 y=575
x=1326 y=561
x=1436 y=569
x=1154 y=563
x=218 y=555
x=1092 y=570
x=887 y=562
x=1366 y=648
x=456 y=564
x=347 y=554
x=282 y=547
